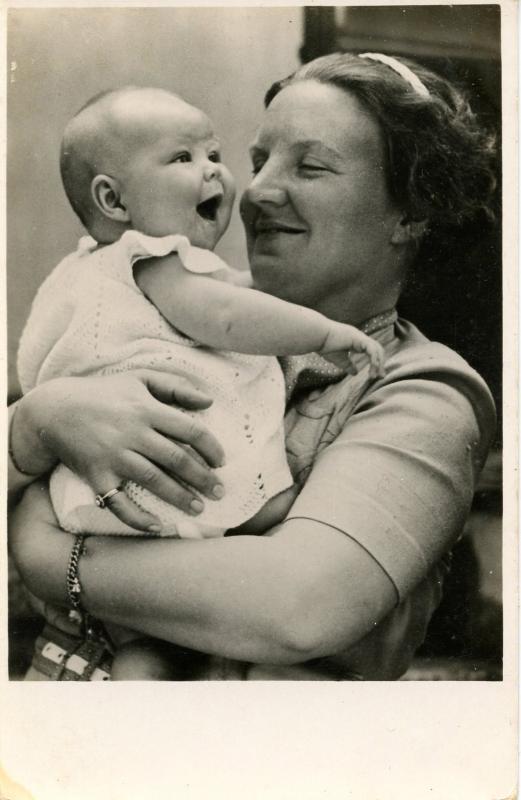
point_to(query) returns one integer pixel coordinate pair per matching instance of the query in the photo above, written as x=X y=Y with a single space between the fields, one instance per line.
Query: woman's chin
x=270 y=283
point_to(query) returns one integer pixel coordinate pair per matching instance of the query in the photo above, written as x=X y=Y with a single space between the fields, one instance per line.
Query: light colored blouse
x=393 y=464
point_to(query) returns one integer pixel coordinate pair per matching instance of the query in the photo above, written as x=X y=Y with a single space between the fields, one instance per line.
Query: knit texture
x=90 y=318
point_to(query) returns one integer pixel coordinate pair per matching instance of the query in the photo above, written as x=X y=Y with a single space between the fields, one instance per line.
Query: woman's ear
x=107 y=198
x=409 y=231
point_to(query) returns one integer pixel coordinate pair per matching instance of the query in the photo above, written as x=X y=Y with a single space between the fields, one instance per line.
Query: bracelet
x=73 y=581
x=90 y=627
x=14 y=462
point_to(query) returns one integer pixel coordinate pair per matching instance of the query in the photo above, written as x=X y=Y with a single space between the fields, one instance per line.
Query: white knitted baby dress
x=90 y=318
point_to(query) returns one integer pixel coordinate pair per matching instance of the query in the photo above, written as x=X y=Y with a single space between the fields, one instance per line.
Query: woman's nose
x=266 y=187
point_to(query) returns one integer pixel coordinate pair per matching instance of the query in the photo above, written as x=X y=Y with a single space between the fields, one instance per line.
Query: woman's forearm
x=260 y=599
x=279 y=599
x=151 y=587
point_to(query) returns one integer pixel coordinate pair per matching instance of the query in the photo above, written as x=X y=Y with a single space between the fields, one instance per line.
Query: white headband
x=402 y=70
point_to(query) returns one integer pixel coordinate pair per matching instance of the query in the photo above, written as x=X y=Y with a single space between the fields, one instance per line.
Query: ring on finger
x=102 y=500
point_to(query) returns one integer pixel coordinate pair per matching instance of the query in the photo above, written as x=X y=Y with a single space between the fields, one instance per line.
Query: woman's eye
x=313 y=167
x=256 y=167
x=181 y=158
x=215 y=156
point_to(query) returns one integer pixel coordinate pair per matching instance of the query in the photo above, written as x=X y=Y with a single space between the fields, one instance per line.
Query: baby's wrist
x=329 y=340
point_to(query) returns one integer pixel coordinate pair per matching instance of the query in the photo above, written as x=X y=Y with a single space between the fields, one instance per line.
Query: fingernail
x=154 y=528
x=218 y=491
x=196 y=506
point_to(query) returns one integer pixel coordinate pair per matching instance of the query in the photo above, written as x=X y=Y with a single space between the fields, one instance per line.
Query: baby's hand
x=347 y=337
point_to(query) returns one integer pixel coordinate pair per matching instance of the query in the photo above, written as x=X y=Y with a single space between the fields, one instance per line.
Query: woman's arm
x=229 y=317
x=112 y=428
x=396 y=483
x=18 y=478
x=303 y=592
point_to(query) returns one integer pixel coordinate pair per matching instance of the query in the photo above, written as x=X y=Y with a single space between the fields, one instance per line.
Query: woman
x=360 y=164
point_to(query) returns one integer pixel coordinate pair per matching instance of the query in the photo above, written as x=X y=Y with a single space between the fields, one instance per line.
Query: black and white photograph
x=258 y=404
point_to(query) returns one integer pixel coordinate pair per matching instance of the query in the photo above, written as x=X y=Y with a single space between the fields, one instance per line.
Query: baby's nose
x=211 y=171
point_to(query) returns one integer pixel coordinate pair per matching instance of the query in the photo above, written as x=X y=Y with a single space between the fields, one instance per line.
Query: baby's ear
x=107 y=198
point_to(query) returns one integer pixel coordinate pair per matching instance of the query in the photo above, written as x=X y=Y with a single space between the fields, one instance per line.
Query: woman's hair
x=439 y=157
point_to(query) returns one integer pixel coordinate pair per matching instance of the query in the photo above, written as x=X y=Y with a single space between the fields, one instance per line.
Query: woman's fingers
x=186 y=429
x=174 y=389
x=129 y=513
x=146 y=474
x=184 y=465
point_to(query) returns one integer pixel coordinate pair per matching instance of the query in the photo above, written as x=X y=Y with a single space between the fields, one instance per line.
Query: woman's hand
x=122 y=427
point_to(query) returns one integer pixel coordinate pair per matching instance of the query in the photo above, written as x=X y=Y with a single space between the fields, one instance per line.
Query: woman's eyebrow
x=317 y=144
x=302 y=146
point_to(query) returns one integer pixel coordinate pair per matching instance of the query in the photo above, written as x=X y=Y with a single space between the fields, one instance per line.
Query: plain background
x=58 y=58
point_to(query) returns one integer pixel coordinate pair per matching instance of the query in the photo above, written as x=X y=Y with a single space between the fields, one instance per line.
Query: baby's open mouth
x=208 y=208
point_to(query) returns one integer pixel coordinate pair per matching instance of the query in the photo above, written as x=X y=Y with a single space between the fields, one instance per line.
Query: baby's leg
x=146 y=660
x=271 y=513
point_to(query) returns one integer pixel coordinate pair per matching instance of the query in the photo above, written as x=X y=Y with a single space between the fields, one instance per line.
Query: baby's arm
x=229 y=317
x=238 y=277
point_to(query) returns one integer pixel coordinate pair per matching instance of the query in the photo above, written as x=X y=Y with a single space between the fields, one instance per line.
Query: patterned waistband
x=61 y=657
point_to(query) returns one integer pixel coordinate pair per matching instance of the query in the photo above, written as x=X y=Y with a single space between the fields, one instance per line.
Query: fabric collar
x=312 y=371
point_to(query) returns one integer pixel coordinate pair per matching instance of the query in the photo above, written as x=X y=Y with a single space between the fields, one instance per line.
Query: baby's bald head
x=98 y=139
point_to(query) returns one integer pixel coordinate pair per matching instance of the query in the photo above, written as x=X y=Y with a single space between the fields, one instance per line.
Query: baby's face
x=171 y=177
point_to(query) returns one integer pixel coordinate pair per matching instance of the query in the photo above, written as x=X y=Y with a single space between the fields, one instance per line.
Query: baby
x=142 y=170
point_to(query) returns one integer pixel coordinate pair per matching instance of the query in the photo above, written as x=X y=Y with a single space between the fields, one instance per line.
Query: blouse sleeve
x=400 y=477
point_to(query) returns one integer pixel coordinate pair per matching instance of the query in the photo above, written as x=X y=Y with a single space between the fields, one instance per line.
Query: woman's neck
x=367 y=293
x=355 y=309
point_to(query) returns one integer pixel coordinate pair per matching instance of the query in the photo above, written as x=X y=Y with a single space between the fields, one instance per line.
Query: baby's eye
x=181 y=158
x=215 y=156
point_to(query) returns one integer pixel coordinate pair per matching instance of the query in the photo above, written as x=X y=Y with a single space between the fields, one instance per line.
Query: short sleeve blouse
x=400 y=476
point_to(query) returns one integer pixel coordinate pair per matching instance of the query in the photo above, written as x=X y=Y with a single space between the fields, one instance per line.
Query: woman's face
x=317 y=214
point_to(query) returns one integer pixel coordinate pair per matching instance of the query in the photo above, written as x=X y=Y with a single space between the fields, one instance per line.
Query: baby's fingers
x=374 y=350
x=376 y=353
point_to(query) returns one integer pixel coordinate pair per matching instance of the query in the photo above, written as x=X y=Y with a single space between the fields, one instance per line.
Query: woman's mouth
x=272 y=226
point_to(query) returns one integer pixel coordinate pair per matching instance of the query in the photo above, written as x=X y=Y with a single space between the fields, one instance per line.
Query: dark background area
x=456 y=299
